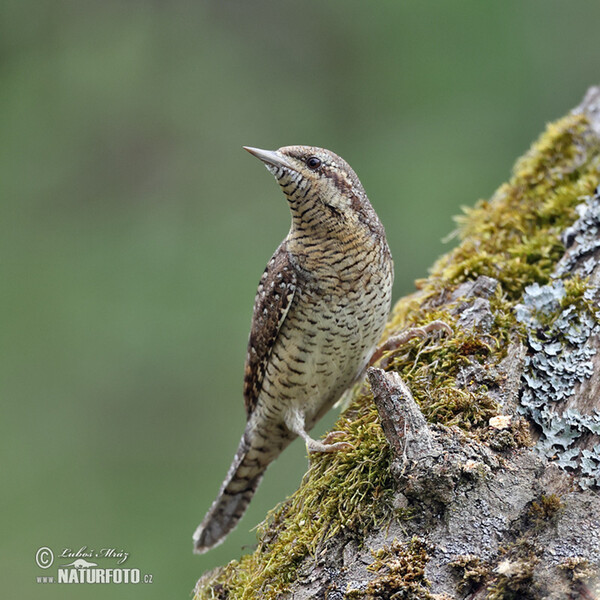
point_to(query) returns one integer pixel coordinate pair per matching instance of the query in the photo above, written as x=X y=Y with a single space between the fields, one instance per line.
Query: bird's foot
x=396 y=341
x=325 y=445
x=294 y=419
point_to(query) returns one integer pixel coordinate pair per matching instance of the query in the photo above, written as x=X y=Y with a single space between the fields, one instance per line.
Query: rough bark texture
x=477 y=474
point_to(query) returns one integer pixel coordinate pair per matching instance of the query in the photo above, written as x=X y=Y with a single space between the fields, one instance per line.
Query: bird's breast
x=342 y=263
x=336 y=318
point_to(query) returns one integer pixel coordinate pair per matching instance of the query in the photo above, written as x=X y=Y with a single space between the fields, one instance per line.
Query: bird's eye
x=313 y=162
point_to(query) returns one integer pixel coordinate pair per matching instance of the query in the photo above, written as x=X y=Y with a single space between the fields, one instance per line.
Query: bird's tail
x=243 y=477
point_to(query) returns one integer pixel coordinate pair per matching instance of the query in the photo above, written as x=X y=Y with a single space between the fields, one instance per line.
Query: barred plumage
x=320 y=309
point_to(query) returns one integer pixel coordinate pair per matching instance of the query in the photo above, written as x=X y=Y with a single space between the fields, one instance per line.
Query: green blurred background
x=135 y=228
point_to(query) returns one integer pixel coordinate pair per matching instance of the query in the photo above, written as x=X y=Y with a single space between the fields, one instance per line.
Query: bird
x=320 y=309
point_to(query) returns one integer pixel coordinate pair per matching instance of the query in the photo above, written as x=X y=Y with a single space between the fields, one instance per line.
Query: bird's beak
x=271 y=157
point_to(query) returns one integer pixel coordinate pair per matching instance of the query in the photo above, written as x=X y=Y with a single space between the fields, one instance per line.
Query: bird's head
x=323 y=191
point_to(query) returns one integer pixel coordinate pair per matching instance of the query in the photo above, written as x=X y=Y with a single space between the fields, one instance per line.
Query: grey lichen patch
x=582 y=239
x=559 y=319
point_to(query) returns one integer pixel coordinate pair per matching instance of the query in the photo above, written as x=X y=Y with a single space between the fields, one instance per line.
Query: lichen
x=559 y=319
x=560 y=359
x=584 y=235
x=514 y=239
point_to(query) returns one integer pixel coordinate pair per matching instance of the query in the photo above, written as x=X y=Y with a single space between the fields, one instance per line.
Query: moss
x=518 y=435
x=545 y=511
x=514 y=578
x=473 y=572
x=578 y=569
x=514 y=582
x=576 y=294
x=347 y=492
x=430 y=371
x=514 y=238
x=400 y=572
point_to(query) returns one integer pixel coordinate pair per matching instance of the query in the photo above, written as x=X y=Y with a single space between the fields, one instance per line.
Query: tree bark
x=476 y=466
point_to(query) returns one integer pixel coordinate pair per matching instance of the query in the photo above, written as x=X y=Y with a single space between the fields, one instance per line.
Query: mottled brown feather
x=273 y=299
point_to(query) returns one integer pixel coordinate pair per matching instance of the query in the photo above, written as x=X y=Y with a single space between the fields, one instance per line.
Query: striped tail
x=243 y=477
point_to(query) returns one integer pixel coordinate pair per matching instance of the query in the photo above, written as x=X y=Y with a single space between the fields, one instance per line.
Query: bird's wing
x=273 y=300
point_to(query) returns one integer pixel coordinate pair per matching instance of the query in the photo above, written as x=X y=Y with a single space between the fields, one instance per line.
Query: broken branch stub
x=400 y=416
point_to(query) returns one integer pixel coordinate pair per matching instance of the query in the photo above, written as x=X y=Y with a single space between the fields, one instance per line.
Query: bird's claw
x=333 y=435
x=396 y=341
x=314 y=446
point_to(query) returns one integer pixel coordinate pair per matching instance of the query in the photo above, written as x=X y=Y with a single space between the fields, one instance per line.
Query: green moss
x=430 y=370
x=346 y=492
x=514 y=238
x=575 y=295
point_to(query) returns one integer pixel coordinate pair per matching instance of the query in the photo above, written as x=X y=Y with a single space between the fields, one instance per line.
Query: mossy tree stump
x=475 y=465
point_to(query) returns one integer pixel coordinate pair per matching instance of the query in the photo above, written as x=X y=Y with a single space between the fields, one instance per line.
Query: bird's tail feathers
x=243 y=477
